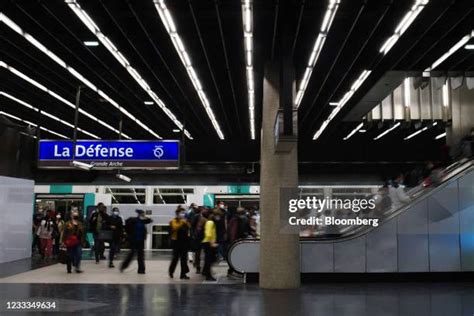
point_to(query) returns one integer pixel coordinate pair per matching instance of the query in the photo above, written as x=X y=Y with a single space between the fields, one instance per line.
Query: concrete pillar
x=279 y=253
x=462 y=114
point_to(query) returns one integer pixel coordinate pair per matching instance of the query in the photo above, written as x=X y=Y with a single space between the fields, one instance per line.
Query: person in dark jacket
x=136 y=234
x=179 y=232
x=238 y=228
x=97 y=223
x=197 y=234
x=115 y=224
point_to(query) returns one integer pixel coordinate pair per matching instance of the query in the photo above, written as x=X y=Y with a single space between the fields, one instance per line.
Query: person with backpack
x=73 y=238
x=136 y=234
x=179 y=232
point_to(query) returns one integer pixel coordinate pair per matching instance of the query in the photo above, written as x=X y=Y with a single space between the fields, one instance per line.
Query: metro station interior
x=193 y=123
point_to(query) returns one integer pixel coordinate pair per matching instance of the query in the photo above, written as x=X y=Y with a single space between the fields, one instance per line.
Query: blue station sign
x=120 y=154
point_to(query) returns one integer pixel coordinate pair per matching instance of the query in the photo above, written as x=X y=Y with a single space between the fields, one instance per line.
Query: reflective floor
x=443 y=299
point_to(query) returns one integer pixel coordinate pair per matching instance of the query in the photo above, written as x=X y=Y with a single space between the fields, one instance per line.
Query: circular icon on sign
x=158 y=151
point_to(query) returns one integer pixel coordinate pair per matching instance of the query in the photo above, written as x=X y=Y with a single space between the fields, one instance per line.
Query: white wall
x=16 y=216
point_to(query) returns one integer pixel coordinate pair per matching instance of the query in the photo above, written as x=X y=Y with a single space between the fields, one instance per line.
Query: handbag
x=71 y=241
x=105 y=235
x=62 y=255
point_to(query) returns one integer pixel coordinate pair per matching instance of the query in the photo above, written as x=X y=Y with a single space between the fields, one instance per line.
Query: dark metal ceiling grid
x=212 y=33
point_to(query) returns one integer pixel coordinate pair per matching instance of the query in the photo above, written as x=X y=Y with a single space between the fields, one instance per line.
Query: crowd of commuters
x=198 y=234
x=208 y=232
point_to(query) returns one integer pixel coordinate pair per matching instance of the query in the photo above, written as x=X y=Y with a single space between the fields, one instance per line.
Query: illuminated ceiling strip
x=9 y=96
x=92 y=26
x=33 y=124
x=354 y=131
x=59 y=61
x=405 y=22
x=58 y=97
x=247 y=18
x=318 y=46
x=451 y=51
x=387 y=131
x=441 y=135
x=170 y=26
x=419 y=131
x=362 y=77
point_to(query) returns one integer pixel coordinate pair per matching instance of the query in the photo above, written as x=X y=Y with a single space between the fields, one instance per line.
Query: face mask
x=116 y=213
x=221 y=206
x=181 y=215
x=58 y=216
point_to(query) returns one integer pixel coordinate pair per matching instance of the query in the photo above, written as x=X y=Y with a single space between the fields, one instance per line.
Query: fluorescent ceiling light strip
x=317 y=48
x=33 y=124
x=416 y=133
x=357 y=83
x=451 y=51
x=441 y=135
x=469 y=46
x=14 y=26
x=400 y=29
x=247 y=20
x=9 y=96
x=58 y=97
x=405 y=22
x=354 y=131
x=90 y=24
x=167 y=20
x=387 y=131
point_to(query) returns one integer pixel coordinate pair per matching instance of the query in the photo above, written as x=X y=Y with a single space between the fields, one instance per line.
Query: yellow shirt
x=209 y=232
x=175 y=225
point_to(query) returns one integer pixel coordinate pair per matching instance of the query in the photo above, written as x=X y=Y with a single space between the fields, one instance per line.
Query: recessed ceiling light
x=333 y=103
x=362 y=130
x=148 y=102
x=91 y=43
x=469 y=46
x=176 y=130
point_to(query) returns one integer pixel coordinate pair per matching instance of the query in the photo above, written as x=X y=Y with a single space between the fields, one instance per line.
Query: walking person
x=45 y=234
x=97 y=223
x=197 y=234
x=179 y=232
x=114 y=224
x=209 y=245
x=136 y=234
x=73 y=238
x=58 y=230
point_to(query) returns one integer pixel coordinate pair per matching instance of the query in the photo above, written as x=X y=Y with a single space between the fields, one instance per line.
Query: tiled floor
x=103 y=291
x=381 y=299
x=156 y=273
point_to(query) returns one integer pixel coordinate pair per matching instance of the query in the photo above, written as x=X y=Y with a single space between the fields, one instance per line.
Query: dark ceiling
x=213 y=35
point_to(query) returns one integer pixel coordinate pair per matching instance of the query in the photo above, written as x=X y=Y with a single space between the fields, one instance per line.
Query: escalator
x=433 y=232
